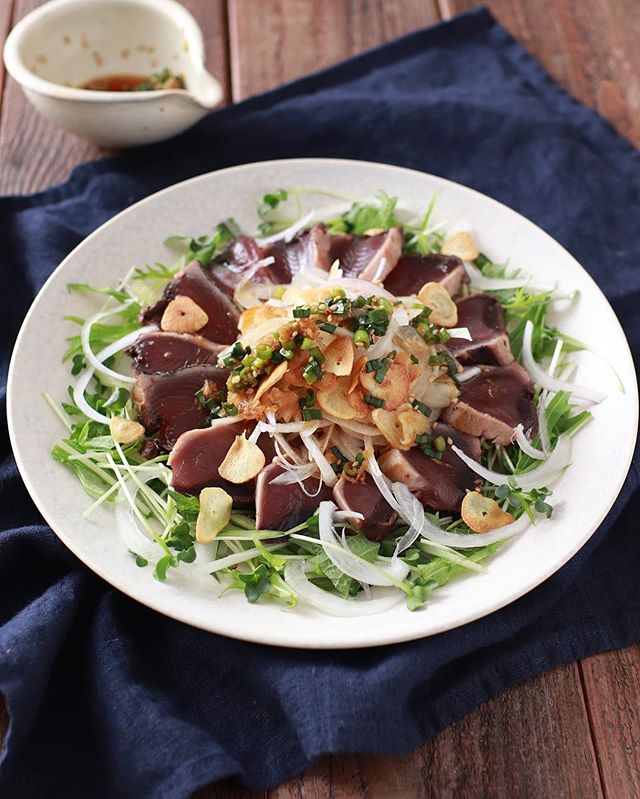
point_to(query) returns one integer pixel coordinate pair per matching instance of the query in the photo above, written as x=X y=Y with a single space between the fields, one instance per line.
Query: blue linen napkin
x=108 y=698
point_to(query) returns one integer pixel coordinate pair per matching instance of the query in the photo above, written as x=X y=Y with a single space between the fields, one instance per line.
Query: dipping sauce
x=123 y=82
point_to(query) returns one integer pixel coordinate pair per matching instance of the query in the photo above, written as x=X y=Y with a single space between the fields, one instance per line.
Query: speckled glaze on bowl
x=65 y=43
x=581 y=497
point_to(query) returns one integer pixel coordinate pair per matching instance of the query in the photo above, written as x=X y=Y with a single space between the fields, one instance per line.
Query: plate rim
x=268 y=639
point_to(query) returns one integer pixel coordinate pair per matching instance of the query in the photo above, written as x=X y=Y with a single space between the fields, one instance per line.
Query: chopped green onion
x=312 y=372
x=375 y=401
x=382 y=371
x=414 y=359
x=307 y=343
x=420 y=406
x=311 y=413
x=361 y=337
x=328 y=328
x=264 y=352
x=301 y=313
x=439 y=443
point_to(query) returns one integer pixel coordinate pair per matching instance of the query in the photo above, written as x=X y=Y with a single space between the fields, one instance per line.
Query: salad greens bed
x=240 y=557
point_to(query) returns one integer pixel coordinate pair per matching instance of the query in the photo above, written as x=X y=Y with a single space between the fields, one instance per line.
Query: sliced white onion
x=289 y=233
x=295 y=473
x=481 y=281
x=85 y=377
x=526 y=446
x=128 y=528
x=385 y=343
x=355 y=287
x=354 y=427
x=412 y=511
x=246 y=294
x=284 y=449
x=310 y=276
x=330 y=603
x=467 y=374
x=317 y=455
x=543 y=475
x=460 y=332
x=341 y=556
x=380 y=271
x=293 y=427
x=471 y=541
x=383 y=484
x=85 y=336
x=541 y=378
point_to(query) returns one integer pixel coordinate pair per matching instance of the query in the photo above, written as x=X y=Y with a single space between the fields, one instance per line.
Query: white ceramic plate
x=602 y=451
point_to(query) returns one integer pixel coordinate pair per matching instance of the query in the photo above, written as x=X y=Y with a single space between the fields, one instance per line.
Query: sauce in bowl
x=124 y=82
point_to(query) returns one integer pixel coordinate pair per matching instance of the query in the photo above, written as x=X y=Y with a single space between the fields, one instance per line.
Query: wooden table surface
x=574 y=731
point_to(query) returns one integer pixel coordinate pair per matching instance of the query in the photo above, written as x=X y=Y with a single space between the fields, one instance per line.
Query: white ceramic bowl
x=65 y=43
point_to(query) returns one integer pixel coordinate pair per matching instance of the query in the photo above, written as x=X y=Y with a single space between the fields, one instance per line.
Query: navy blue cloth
x=108 y=698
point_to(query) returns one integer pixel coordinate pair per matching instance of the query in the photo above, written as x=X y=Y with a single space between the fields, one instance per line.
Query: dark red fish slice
x=197 y=456
x=281 y=507
x=167 y=405
x=365 y=498
x=310 y=248
x=193 y=282
x=160 y=353
x=361 y=256
x=483 y=316
x=438 y=484
x=241 y=254
x=413 y=271
x=494 y=402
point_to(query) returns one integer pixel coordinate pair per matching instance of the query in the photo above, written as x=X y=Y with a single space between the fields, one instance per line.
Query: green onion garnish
x=301 y=313
x=311 y=413
x=420 y=406
x=375 y=401
x=328 y=328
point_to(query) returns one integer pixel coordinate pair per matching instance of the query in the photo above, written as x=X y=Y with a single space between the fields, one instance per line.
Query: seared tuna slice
x=438 y=484
x=365 y=498
x=310 y=248
x=228 y=269
x=340 y=243
x=159 y=353
x=362 y=256
x=197 y=456
x=192 y=282
x=484 y=317
x=413 y=271
x=280 y=507
x=167 y=404
x=493 y=403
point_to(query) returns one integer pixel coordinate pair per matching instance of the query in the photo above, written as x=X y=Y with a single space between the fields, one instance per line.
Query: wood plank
x=531 y=741
x=34 y=154
x=6 y=10
x=612 y=687
x=274 y=41
x=590 y=47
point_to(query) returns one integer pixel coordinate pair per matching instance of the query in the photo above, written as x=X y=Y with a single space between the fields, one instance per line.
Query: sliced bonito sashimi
x=412 y=271
x=308 y=249
x=439 y=483
x=193 y=282
x=167 y=404
x=198 y=454
x=483 y=316
x=493 y=403
x=240 y=255
x=162 y=353
x=368 y=257
x=281 y=506
x=365 y=498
